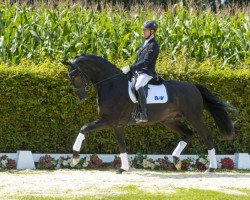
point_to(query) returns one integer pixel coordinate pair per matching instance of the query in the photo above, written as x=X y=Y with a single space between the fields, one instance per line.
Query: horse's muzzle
x=82 y=97
x=81 y=94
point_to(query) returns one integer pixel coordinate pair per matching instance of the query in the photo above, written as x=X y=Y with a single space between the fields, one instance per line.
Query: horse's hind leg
x=202 y=130
x=185 y=134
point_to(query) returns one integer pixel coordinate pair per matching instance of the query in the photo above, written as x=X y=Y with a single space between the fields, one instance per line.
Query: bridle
x=86 y=82
x=74 y=73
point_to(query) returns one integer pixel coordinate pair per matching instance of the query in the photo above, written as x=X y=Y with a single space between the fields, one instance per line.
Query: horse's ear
x=67 y=63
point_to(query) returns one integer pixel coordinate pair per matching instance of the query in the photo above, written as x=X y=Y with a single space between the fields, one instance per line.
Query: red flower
x=45 y=162
x=227 y=163
x=116 y=162
x=200 y=166
x=95 y=161
x=185 y=165
x=165 y=164
x=11 y=164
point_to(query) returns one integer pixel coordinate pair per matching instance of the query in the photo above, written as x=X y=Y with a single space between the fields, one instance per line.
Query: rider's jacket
x=146 y=58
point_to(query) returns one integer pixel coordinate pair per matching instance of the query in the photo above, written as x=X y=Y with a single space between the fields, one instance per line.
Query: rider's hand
x=126 y=69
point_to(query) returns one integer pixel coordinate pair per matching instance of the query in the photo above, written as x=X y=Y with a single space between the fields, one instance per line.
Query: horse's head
x=87 y=70
x=78 y=79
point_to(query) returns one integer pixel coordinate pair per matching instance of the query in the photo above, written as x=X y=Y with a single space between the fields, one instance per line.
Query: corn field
x=40 y=32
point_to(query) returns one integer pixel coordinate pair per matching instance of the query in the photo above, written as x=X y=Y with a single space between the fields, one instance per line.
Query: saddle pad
x=156 y=94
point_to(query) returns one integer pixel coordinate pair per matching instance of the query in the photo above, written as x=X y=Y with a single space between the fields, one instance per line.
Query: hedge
x=39 y=112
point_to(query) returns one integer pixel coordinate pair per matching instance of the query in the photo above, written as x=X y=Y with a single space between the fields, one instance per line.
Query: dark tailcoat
x=146 y=58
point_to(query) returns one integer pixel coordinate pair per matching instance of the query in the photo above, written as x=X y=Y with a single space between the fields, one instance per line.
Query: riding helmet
x=149 y=25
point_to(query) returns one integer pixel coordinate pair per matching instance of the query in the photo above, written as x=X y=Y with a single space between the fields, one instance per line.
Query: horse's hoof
x=76 y=159
x=120 y=171
x=177 y=163
x=210 y=170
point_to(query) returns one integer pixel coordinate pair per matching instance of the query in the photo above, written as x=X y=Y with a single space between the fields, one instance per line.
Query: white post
x=25 y=160
x=242 y=160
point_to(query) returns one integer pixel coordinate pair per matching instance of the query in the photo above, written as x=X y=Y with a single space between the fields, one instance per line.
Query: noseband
x=77 y=71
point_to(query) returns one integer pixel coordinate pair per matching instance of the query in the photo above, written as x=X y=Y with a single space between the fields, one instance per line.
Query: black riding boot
x=142 y=104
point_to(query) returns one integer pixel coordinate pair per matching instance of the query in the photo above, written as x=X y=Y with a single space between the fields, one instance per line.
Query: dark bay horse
x=185 y=100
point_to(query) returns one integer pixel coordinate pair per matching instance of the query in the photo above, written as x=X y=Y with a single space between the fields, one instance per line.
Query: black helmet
x=149 y=25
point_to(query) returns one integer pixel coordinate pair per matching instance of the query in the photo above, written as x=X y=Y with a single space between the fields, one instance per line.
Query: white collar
x=147 y=40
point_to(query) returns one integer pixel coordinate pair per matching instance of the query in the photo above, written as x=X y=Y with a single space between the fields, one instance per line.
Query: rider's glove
x=126 y=69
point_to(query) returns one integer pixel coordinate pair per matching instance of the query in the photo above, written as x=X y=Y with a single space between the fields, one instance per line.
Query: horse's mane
x=105 y=64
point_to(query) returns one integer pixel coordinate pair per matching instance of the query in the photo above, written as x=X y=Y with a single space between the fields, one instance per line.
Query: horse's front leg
x=119 y=133
x=97 y=124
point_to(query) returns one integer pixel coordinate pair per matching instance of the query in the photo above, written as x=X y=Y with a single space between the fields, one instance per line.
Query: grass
x=132 y=192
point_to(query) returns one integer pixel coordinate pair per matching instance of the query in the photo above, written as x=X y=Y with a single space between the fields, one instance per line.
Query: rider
x=144 y=66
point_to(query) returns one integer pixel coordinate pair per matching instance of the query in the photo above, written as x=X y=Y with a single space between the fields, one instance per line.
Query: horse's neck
x=98 y=73
x=97 y=70
x=113 y=85
x=112 y=96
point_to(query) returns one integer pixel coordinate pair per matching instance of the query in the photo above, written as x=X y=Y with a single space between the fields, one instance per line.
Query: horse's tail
x=218 y=109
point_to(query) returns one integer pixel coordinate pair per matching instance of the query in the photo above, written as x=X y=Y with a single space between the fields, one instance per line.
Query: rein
x=95 y=84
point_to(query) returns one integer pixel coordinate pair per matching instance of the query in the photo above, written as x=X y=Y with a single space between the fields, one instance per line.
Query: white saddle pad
x=156 y=94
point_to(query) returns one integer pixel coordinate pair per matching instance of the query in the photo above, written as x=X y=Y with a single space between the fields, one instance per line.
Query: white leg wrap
x=212 y=159
x=177 y=152
x=124 y=159
x=78 y=142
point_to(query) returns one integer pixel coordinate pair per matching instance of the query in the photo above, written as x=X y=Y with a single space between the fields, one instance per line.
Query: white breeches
x=142 y=80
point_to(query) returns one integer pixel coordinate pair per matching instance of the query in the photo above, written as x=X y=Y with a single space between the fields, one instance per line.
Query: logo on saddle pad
x=156 y=94
x=158 y=98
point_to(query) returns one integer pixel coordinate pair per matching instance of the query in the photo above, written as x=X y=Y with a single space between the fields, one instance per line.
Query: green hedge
x=39 y=112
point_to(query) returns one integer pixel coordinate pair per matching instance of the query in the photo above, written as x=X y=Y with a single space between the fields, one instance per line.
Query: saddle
x=156 y=81
x=156 y=91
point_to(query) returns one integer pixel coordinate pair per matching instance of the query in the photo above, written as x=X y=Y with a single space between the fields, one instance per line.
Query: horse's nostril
x=82 y=98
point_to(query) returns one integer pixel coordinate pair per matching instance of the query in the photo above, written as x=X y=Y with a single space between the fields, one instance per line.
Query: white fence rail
x=25 y=159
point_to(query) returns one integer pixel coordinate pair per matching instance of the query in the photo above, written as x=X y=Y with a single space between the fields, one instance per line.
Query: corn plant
x=39 y=32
